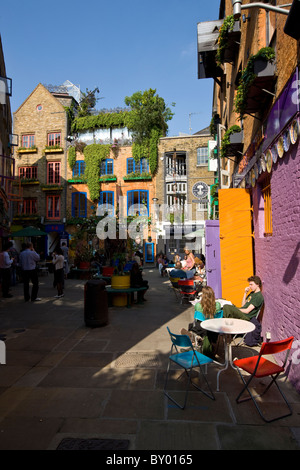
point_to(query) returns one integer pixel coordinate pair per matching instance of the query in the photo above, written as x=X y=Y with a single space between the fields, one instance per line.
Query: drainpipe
x=237 y=7
x=219 y=127
x=66 y=163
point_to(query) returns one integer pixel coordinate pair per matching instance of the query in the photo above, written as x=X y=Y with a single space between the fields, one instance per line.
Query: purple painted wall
x=278 y=257
x=212 y=254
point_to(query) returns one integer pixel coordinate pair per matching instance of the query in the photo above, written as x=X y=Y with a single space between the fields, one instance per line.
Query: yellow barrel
x=120 y=282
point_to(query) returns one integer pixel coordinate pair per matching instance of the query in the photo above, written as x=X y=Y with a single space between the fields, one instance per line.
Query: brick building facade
x=120 y=185
x=54 y=194
x=41 y=123
x=182 y=179
x=267 y=161
x=6 y=158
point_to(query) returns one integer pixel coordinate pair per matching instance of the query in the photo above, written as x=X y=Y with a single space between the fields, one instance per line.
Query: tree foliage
x=87 y=102
x=148 y=112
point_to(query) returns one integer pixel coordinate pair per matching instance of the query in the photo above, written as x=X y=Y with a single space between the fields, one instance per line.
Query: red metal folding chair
x=258 y=366
x=187 y=289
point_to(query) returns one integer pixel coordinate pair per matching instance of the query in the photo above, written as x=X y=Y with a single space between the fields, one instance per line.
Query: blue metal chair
x=188 y=360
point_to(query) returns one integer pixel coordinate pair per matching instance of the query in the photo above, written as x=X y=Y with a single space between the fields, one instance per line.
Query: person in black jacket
x=136 y=279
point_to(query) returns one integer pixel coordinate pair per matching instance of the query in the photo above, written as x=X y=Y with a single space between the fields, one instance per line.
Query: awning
x=208 y=34
x=195 y=234
x=28 y=232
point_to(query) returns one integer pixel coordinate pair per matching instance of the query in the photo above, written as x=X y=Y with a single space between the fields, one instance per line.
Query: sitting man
x=178 y=272
x=251 y=303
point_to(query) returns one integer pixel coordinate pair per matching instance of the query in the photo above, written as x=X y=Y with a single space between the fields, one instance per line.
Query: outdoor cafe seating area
x=187 y=353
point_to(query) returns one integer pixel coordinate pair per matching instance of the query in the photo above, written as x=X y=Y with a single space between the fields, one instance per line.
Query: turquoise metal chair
x=188 y=360
x=200 y=316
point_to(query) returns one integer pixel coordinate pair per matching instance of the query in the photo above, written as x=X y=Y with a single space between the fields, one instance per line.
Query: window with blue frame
x=107 y=167
x=137 y=167
x=106 y=200
x=144 y=165
x=130 y=165
x=79 y=204
x=79 y=168
x=138 y=202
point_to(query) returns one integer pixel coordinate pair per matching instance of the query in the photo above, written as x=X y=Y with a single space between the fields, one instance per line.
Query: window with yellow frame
x=266 y=192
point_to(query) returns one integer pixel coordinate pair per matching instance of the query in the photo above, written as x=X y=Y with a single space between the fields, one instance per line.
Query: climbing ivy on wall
x=148 y=148
x=93 y=156
x=147 y=119
x=72 y=157
x=104 y=120
x=153 y=149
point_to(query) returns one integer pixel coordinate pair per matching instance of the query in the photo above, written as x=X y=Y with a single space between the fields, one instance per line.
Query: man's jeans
x=32 y=276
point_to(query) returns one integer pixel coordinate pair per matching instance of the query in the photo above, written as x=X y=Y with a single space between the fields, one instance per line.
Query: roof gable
x=40 y=89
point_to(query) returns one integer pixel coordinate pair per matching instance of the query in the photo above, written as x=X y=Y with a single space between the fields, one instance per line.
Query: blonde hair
x=208 y=302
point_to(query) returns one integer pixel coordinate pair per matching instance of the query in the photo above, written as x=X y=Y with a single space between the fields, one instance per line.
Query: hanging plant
x=247 y=78
x=226 y=139
x=227 y=27
x=115 y=148
x=214 y=198
x=102 y=120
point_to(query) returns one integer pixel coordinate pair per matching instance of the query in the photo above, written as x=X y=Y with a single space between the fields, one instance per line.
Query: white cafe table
x=227 y=327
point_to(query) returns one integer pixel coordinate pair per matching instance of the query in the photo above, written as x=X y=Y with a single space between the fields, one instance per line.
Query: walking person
x=14 y=255
x=65 y=251
x=28 y=265
x=58 y=261
x=5 y=270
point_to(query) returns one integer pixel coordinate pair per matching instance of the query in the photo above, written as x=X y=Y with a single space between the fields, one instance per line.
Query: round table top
x=231 y=326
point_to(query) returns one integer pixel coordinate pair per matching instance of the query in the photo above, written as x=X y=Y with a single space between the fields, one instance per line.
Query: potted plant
x=119 y=262
x=228 y=139
x=83 y=255
x=228 y=39
x=259 y=65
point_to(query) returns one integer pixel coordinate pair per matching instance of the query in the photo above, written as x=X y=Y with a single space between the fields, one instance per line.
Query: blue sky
x=119 y=47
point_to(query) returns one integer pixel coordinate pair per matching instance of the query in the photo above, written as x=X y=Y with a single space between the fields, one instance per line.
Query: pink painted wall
x=277 y=257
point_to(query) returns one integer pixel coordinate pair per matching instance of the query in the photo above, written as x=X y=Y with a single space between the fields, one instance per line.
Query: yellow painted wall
x=236 y=242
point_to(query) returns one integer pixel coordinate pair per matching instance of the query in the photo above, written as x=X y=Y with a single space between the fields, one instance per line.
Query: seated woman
x=200 y=273
x=207 y=308
x=136 y=279
x=190 y=260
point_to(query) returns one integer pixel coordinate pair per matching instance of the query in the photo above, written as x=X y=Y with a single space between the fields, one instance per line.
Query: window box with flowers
x=53 y=149
x=26 y=217
x=24 y=181
x=78 y=181
x=51 y=187
x=137 y=176
x=107 y=178
x=32 y=149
